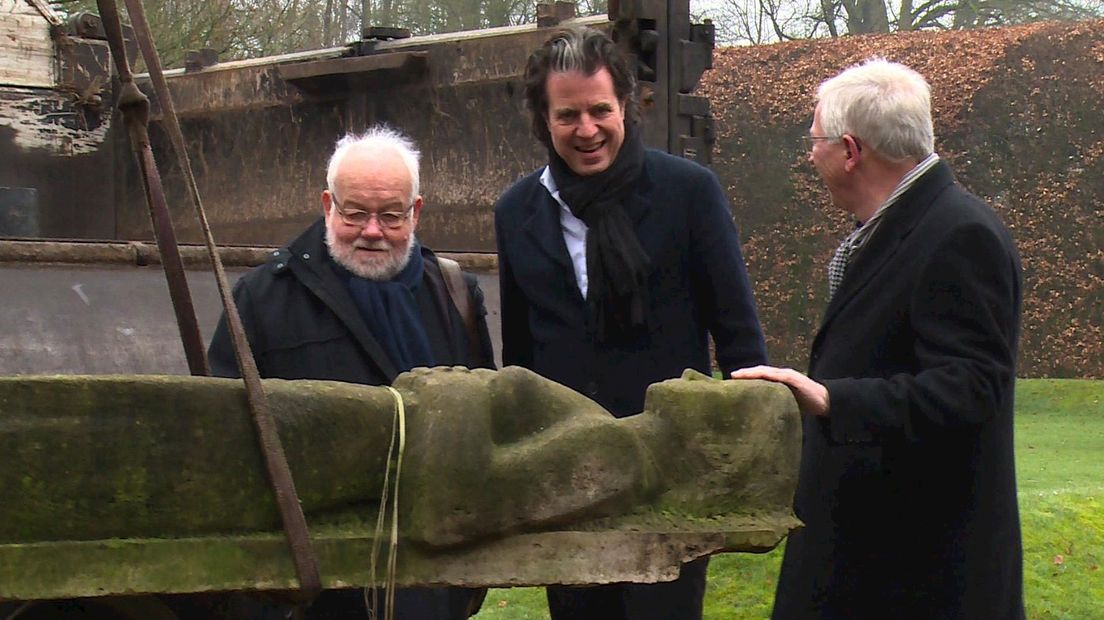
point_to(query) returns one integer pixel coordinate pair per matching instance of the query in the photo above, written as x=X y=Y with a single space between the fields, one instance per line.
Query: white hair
x=377 y=138
x=884 y=104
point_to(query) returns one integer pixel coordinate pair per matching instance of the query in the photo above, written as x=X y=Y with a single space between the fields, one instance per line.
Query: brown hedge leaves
x=1019 y=115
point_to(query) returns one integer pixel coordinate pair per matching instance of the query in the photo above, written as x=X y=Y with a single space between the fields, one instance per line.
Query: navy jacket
x=697 y=286
x=908 y=487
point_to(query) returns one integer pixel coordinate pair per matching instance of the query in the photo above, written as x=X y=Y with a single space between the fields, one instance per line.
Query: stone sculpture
x=488 y=454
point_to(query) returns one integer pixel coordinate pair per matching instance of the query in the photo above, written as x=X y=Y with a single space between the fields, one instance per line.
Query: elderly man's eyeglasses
x=811 y=140
x=386 y=219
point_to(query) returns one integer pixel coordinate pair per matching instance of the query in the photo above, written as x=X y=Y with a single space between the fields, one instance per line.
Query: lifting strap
x=135 y=108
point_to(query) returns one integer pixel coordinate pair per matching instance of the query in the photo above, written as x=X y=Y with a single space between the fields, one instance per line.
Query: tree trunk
x=965 y=16
x=866 y=16
x=328 y=24
x=828 y=7
x=904 y=16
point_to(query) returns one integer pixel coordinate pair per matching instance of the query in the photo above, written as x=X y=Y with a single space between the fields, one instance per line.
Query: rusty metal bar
x=141 y=254
x=135 y=109
x=272 y=450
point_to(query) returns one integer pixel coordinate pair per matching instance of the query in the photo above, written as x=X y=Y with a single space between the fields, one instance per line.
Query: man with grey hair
x=616 y=265
x=907 y=484
x=356 y=298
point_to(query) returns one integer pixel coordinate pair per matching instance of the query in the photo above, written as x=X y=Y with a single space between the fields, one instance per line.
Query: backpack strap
x=461 y=298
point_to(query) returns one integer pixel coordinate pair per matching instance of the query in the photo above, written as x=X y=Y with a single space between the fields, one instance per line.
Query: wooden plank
x=26 y=50
x=395 y=61
x=326 y=77
x=43 y=9
x=18 y=7
x=50 y=121
x=139 y=253
x=394 y=45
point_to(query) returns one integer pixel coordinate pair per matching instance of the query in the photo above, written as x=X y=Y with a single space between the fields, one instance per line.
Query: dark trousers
x=680 y=599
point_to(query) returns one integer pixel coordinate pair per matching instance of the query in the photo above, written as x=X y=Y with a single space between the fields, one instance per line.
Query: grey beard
x=377 y=272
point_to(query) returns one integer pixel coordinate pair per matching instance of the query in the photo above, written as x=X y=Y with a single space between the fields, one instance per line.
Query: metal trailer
x=259 y=133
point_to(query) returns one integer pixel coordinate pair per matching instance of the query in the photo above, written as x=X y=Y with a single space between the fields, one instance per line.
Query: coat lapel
x=317 y=276
x=640 y=206
x=543 y=227
x=899 y=221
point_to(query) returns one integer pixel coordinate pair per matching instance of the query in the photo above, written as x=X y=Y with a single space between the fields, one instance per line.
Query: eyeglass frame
x=811 y=140
x=403 y=216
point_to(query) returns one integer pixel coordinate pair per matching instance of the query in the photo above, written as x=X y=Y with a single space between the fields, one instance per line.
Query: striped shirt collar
x=842 y=257
x=903 y=186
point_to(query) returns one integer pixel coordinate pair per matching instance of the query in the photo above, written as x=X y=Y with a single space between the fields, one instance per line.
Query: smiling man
x=616 y=264
x=356 y=298
x=370 y=229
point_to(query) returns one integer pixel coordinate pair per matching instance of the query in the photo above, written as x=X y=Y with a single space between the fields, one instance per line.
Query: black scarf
x=390 y=310
x=617 y=267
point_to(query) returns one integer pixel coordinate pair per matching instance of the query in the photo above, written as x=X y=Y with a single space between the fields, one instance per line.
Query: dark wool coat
x=908 y=488
x=303 y=324
x=697 y=286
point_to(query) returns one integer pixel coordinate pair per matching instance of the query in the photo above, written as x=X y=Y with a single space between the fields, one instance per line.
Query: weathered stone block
x=488 y=454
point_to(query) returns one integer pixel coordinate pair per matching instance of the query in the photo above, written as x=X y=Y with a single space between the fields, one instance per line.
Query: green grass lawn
x=1060 y=466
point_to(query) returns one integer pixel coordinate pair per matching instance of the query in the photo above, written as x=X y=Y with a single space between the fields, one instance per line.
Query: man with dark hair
x=616 y=263
x=907 y=484
x=356 y=298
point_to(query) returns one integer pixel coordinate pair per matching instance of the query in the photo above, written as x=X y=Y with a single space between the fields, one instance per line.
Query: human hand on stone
x=812 y=397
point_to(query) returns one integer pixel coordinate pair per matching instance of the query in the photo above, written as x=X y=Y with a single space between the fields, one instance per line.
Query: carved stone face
x=740 y=444
x=478 y=437
x=702 y=447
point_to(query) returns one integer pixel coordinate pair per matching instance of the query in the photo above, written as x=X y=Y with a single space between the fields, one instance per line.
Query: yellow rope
x=399 y=425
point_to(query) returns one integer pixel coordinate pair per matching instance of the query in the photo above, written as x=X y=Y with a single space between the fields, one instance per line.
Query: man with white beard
x=356 y=298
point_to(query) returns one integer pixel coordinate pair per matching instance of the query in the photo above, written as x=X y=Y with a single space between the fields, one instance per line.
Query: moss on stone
x=155 y=484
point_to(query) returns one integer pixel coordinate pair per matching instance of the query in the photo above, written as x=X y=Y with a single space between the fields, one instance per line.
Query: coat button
x=306 y=256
